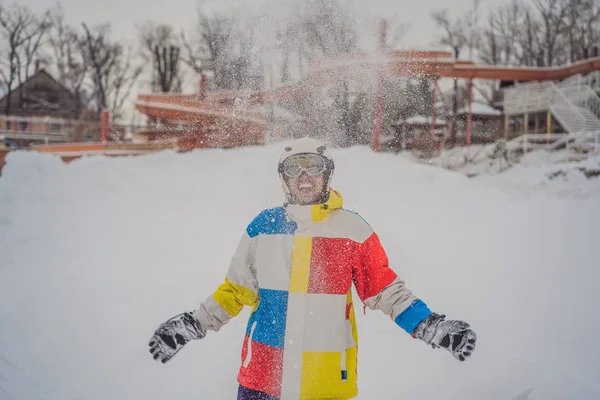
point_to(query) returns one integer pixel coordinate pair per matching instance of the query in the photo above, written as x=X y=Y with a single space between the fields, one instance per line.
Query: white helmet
x=307 y=145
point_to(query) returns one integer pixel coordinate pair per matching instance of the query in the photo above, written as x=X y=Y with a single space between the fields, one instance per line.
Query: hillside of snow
x=562 y=173
x=96 y=253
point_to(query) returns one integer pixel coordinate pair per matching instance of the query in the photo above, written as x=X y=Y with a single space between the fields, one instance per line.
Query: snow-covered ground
x=562 y=173
x=96 y=253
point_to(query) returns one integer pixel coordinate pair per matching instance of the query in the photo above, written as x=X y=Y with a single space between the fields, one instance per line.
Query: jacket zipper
x=344 y=367
x=249 y=346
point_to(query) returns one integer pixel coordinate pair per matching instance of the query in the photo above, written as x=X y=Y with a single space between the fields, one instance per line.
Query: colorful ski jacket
x=295 y=266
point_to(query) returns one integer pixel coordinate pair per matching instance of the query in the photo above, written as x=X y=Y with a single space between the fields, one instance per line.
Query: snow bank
x=96 y=253
x=558 y=173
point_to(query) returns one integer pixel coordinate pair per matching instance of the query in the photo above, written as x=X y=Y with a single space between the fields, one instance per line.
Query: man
x=295 y=265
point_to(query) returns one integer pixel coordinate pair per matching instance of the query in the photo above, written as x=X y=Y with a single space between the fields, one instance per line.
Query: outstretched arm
x=381 y=289
x=240 y=288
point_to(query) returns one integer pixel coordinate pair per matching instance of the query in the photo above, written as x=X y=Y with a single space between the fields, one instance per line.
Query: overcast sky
x=181 y=14
x=123 y=14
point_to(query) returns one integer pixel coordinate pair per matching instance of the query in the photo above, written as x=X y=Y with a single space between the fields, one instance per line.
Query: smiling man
x=295 y=265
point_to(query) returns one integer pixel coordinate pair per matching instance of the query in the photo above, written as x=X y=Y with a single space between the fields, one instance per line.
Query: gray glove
x=173 y=334
x=454 y=336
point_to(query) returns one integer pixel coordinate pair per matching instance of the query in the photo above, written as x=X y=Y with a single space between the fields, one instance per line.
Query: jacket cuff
x=412 y=316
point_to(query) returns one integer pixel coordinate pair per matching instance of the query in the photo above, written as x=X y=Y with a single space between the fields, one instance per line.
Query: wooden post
x=470 y=114
x=104 y=122
x=506 y=125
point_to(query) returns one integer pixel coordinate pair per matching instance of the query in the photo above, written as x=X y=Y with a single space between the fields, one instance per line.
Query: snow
x=480 y=109
x=278 y=112
x=559 y=173
x=420 y=120
x=560 y=178
x=96 y=253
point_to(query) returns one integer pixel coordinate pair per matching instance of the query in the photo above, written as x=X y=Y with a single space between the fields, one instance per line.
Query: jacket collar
x=314 y=213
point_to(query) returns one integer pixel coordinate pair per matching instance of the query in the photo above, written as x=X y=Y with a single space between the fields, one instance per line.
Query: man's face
x=306 y=189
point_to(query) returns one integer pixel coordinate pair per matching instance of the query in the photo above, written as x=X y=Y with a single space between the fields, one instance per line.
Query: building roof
x=421 y=120
x=42 y=94
x=480 y=109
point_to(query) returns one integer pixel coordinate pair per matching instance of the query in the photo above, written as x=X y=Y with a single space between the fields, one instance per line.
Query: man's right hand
x=173 y=334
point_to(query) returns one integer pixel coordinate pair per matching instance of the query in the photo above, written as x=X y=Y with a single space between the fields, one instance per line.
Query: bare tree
x=328 y=28
x=66 y=57
x=582 y=27
x=459 y=34
x=294 y=47
x=223 y=47
x=160 y=46
x=552 y=13
x=547 y=33
x=112 y=71
x=22 y=32
x=498 y=44
x=398 y=31
x=37 y=33
x=284 y=40
x=453 y=32
x=211 y=45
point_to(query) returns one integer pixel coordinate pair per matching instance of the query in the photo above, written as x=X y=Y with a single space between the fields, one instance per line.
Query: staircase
x=574 y=103
x=593 y=81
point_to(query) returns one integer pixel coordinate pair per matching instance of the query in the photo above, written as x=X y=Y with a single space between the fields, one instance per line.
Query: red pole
x=469 y=115
x=379 y=96
x=104 y=122
x=433 y=98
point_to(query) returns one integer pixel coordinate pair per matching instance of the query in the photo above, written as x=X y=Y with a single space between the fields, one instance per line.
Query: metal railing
x=535 y=141
x=583 y=96
x=527 y=98
x=581 y=141
x=574 y=104
x=575 y=80
x=540 y=97
x=46 y=137
x=569 y=116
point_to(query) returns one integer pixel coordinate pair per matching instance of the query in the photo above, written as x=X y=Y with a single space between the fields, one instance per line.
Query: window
x=54 y=128
x=24 y=126
x=8 y=123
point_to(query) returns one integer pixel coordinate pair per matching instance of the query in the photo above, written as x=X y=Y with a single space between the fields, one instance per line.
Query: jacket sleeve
x=239 y=289
x=380 y=288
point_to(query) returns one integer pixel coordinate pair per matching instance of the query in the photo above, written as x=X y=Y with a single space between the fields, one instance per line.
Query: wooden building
x=41 y=110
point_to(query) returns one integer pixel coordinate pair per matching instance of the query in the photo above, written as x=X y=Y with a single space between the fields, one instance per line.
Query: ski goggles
x=312 y=164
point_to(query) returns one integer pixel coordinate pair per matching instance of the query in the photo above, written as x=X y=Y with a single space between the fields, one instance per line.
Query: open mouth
x=306 y=188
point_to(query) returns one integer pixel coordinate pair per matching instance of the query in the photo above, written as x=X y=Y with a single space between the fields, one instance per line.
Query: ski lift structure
x=221 y=118
x=385 y=62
